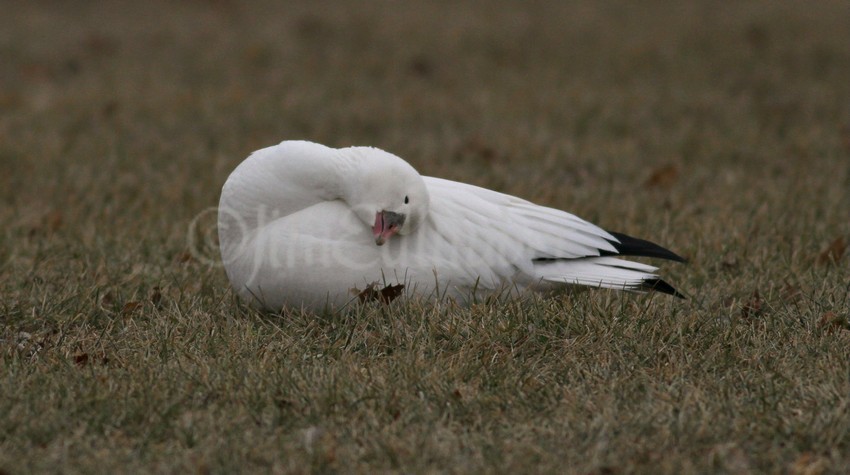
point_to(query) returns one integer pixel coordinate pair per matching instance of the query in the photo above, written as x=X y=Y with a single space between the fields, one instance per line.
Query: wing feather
x=519 y=224
x=502 y=238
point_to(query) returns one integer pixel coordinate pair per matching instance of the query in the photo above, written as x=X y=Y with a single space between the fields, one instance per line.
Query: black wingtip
x=630 y=246
x=658 y=285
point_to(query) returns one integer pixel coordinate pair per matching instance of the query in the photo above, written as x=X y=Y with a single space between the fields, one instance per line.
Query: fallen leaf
x=385 y=295
x=81 y=359
x=831 y=322
x=662 y=177
x=808 y=464
x=753 y=307
x=183 y=257
x=53 y=221
x=391 y=292
x=131 y=307
x=107 y=301
x=156 y=297
x=834 y=252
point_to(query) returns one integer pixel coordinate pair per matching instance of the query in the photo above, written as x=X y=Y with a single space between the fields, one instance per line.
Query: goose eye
x=406 y=200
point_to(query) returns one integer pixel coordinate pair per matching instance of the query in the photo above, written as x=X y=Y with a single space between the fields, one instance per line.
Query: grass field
x=718 y=129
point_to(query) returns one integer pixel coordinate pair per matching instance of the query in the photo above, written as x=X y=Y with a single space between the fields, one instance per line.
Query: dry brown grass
x=720 y=129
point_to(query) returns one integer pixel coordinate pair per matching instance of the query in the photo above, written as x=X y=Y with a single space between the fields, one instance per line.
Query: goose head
x=387 y=194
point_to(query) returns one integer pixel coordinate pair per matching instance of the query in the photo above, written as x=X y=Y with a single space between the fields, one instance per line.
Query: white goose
x=301 y=225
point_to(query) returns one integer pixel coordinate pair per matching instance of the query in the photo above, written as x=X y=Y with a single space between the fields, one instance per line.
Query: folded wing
x=502 y=238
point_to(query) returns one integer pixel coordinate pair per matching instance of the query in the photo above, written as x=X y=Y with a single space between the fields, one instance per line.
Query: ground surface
x=719 y=129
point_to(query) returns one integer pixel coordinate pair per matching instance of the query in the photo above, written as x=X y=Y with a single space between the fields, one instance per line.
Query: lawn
x=718 y=129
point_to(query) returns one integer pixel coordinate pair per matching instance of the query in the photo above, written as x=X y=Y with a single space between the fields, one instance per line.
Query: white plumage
x=301 y=225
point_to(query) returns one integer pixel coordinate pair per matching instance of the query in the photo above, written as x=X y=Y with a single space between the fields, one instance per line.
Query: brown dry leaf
x=81 y=359
x=156 y=297
x=131 y=307
x=107 y=300
x=391 y=292
x=359 y=293
x=831 y=322
x=753 y=307
x=808 y=464
x=53 y=221
x=183 y=257
x=385 y=295
x=834 y=252
x=662 y=177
